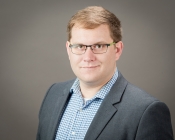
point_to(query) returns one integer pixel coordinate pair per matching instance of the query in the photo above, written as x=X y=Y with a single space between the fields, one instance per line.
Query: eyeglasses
x=96 y=48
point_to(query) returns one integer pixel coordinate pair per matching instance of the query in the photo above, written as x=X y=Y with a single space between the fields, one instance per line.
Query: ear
x=119 y=48
x=68 y=48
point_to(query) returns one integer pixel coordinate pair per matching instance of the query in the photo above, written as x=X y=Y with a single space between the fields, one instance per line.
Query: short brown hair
x=93 y=16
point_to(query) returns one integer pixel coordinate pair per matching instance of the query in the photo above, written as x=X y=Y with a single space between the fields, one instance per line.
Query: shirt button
x=73 y=133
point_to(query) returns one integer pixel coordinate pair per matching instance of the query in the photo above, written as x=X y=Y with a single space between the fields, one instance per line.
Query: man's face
x=94 y=69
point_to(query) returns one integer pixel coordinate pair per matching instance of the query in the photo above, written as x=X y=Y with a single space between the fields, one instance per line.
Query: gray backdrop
x=33 y=54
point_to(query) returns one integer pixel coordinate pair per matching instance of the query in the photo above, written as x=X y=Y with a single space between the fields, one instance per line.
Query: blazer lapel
x=58 y=109
x=107 y=109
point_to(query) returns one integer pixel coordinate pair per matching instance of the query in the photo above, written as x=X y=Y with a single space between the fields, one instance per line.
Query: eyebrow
x=100 y=42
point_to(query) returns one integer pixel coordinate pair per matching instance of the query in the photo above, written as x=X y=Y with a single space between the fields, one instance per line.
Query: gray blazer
x=127 y=113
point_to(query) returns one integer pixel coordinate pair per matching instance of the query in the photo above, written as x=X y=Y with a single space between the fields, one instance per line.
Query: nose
x=88 y=55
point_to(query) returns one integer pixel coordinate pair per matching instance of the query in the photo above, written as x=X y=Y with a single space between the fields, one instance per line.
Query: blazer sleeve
x=155 y=123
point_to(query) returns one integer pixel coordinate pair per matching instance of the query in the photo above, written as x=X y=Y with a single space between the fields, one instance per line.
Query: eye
x=98 y=46
x=80 y=47
x=77 y=46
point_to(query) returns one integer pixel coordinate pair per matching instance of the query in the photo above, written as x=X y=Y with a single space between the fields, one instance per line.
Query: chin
x=88 y=79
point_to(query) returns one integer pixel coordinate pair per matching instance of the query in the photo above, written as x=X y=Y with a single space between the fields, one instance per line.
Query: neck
x=89 y=90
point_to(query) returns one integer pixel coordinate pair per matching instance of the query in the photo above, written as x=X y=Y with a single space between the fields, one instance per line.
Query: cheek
x=74 y=59
x=110 y=56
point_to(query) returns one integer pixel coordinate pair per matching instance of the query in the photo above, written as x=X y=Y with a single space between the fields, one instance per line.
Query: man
x=100 y=103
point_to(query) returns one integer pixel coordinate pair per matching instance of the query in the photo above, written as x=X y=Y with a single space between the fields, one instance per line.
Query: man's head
x=91 y=30
x=93 y=16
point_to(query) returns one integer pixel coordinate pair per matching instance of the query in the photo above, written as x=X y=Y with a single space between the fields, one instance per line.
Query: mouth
x=90 y=67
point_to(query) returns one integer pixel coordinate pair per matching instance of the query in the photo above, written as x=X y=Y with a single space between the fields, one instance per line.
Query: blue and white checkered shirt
x=79 y=113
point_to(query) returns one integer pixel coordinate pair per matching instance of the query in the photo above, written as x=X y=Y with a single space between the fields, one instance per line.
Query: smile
x=90 y=66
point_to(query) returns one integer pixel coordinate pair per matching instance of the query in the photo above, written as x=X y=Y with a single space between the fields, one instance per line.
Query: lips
x=89 y=66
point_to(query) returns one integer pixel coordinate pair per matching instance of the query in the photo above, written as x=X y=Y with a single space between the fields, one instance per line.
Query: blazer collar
x=107 y=109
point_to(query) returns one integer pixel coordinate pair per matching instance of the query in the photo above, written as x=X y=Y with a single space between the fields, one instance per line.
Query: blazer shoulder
x=136 y=101
x=137 y=94
x=62 y=85
x=55 y=91
x=127 y=93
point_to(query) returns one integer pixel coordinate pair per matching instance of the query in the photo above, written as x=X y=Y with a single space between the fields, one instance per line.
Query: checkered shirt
x=79 y=113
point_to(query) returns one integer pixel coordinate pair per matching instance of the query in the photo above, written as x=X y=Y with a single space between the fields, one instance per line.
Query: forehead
x=91 y=36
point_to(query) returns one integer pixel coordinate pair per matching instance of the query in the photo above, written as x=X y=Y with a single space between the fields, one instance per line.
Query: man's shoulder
x=63 y=85
x=137 y=91
x=59 y=88
x=133 y=95
x=137 y=94
x=137 y=100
